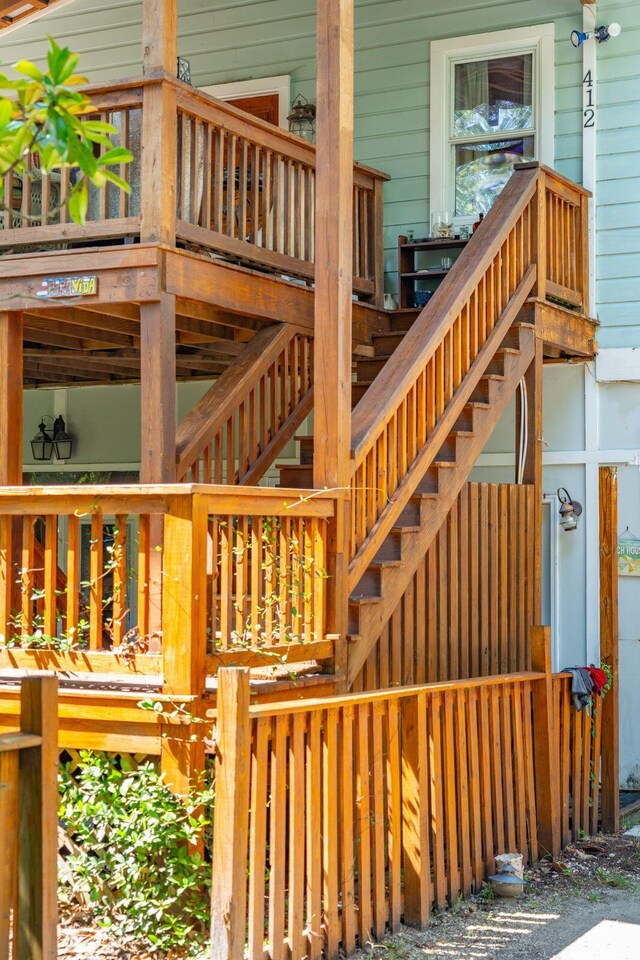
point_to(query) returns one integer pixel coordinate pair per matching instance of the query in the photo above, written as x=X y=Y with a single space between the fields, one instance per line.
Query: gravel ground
x=594 y=880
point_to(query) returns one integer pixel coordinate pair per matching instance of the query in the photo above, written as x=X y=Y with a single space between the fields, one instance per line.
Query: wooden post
x=333 y=292
x=533 y=380
x=158 y=390
x=608 y=477
x=540 y=237
x=231 y=824
x=38 y=841
x=184 y=637
x=159 y=123
x=547 y=774
x=11 y=427
x=10 y=398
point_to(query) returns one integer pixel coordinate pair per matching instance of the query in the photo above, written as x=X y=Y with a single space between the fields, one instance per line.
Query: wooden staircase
x=425 y=405
x=384 y=580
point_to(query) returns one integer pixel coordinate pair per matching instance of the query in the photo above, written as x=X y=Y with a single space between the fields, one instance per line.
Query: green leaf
x=29 y=69
x=79 y=202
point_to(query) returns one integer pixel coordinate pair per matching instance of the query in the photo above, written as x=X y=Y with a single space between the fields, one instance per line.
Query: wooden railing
x=578 y=742
x=406 y=415
x=29 y=818
x=469 y=608
x=244 y=189
x=337 y=818
x=565 y=234
x=38 y=213
x=235 y=432
x=247 y=188
x=401 y=423
x=258 y=582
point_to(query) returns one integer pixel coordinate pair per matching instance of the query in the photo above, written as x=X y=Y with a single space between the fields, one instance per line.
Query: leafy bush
x=135 y=856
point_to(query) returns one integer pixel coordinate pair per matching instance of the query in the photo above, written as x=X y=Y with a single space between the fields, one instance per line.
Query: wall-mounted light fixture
x=302 y=119
x=570 y=510
x=47 y=442
x=600 y=34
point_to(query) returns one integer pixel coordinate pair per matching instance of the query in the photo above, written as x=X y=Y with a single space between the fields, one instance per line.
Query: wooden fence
x=29 y=819
x=336 y=818
x=469 y=608
x=577 y=743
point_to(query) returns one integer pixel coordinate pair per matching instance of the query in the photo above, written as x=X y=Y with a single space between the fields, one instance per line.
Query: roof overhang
x=14 y=13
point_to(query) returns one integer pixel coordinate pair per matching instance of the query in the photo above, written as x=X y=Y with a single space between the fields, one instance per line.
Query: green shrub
x=135 y=856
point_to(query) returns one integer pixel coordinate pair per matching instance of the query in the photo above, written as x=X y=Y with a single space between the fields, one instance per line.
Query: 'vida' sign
x=63 y=287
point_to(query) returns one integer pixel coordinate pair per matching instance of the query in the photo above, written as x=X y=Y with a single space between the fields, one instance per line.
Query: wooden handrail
x=388 y=390
x=236 y=430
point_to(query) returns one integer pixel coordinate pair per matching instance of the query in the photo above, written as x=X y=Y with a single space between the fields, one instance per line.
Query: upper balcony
x=245 y=190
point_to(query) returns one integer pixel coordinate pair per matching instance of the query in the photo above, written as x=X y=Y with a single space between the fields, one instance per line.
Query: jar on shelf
x=441 y=225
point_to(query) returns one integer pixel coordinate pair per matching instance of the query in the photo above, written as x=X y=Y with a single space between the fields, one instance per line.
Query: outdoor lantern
x=302 y=119
x=42 y=444
x=183 y=70
x=61 y=440
x=570 y=510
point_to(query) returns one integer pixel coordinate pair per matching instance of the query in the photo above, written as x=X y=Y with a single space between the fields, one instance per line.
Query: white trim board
x=538 y=40
x=256 y=87
x=618 y=364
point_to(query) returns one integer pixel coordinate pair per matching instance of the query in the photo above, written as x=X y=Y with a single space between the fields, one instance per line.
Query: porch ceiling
x=16 y=11
x=101 y=344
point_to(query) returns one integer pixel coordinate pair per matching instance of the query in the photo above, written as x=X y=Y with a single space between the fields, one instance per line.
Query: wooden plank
x=347 y=851
x=364 y=780
x=314 y=838
x=37 y=918
x=608 y=498
x=231 y=827
x=258 y=837
x=415 y=812
x=296 y=839
x=330 y=854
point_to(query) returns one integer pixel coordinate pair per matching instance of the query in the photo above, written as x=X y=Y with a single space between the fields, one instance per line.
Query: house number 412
x=589 y=112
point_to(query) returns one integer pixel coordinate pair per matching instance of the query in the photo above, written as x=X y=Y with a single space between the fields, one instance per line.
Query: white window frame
x=539 y=41
x=262 y=86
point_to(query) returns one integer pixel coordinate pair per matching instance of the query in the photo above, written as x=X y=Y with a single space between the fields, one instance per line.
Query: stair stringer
x=374 y=612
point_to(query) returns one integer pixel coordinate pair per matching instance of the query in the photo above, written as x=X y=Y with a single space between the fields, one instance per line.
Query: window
x=492 y=107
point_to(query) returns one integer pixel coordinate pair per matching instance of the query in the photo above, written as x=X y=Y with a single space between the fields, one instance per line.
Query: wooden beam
x=11 y=333
x=608 y=495
x=333 y=294
x=159 y=38
x=334 y=236
x=158 y=391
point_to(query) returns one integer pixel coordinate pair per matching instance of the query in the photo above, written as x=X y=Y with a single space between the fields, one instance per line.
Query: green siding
x=227 y=40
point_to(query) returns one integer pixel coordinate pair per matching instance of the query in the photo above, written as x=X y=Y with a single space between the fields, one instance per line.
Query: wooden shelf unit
x=408 y=274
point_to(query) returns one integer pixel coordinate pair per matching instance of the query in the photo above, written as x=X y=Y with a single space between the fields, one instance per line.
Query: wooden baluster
x=256 y=192
x=144 y=572
x=27 y=577
x=73 y=579
x=46 y=198
x=7 y=217
x=226 y=580
x=123 y=196
x=284 y=574
x=96 y=586
x=243 y=456
x=205 y=209
x=365 y=243
x=50 y=576
x=119 y=560
x=356 y=233
x=267 y=210
x=243 y=188
x=230 y=450
x=218 y=183
x=26 y=204
x=240 y=550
